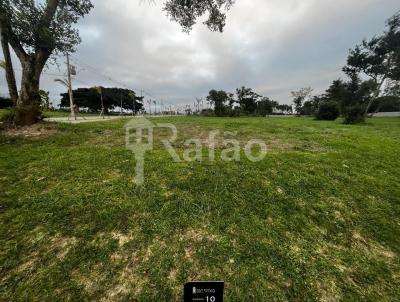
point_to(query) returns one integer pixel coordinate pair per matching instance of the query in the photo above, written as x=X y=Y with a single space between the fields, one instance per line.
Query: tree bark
x=376 y=94
x=28 y=105
x=10 y=76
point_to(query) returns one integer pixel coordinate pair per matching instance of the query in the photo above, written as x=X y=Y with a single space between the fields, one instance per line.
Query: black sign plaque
x=204 y=291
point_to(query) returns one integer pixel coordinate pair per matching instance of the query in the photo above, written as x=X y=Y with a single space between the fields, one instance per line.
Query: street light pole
x=71 y=97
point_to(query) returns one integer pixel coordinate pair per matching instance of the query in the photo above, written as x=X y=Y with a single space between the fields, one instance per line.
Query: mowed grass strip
x=317 y=219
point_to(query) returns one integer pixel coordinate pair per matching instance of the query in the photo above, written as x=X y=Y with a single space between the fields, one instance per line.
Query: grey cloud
x=273 y=46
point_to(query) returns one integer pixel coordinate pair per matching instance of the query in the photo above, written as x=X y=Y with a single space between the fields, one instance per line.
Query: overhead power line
x=99 y=72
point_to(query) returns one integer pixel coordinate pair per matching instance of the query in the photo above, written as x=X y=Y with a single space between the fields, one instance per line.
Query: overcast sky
x=273 y=46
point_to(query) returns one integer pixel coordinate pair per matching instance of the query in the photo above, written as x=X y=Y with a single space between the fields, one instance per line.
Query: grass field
x=48 y=113
x=66 y=114
x=60 y=114
x=318 y=219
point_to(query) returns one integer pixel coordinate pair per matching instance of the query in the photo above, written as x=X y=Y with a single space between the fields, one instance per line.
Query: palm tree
x=62 y=81
x=99 y=90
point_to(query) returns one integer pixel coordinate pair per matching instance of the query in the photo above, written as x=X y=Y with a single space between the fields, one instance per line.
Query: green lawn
x=318 y=219
x=66 y=114
x=52 y=113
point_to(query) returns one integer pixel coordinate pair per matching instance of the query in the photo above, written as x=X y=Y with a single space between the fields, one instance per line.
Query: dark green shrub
x=8 y=117
x=6 y=103
x=207 y=112
x=328 y=111
x=385 y=104
x=235 y=112
x=354 y=114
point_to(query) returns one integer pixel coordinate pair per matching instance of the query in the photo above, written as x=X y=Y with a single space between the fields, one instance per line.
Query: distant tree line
x=6 y=102
x=95 y=98
x=243 y=102
x=348 y=98
x=372 y=85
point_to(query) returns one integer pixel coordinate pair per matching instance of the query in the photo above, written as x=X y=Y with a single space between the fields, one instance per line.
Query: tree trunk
x=371 y=102
x=10 y=76
x=28 y=105
x=376 y=95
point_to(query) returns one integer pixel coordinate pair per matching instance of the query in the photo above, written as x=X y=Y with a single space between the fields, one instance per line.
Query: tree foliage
x=90 y=98
x=244 y=102
x=299 y=97
x=43 y=28
x=186 y=12
x=247 y=99
x=265 y=106
x=310 y=107
x=37 y=30
x=349 y=96
x=386 y=104
x=44 y=99
x=220 y=100
x=328 y=110
x=378 y=59
x=354 y=114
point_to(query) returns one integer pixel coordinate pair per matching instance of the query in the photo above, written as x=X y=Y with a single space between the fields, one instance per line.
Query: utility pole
x=121 y=105
x=133 y=97
x=102 y=103
x=134 y=101
x=99 y=90
x=71 y=97
x=134 y=106
x=149 y=103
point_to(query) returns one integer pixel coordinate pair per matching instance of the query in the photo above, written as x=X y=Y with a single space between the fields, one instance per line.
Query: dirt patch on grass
x=181 y=251
x=309 y=146
x=122 y=238
x=279 y=144
x=89 y=281
x=102 y=239
x=44 y=246
x=129 y=282
x=112 y=176
x=38 y=130
x=106 y=138
x=62 y=244
x=30 y=264
x=197 y=235
x=372 y=248
x=328 y=291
